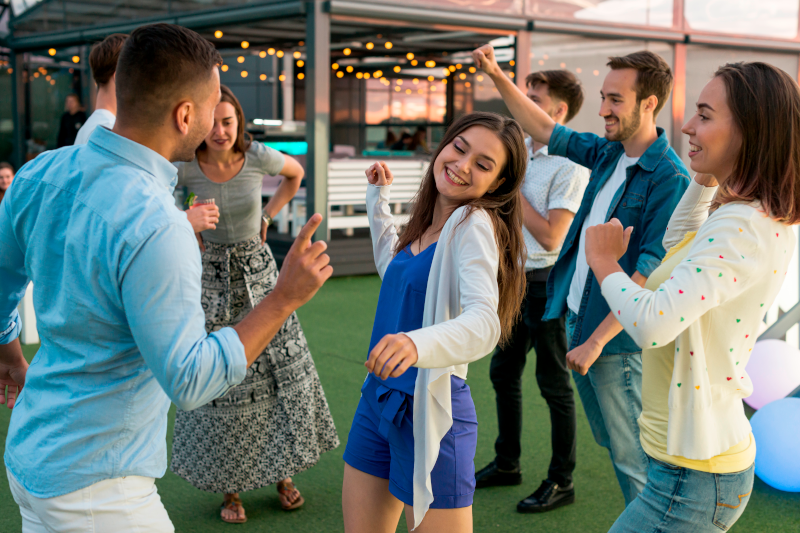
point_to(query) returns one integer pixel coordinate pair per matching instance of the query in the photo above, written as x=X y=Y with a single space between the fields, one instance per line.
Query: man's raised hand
x=306 y=267
x=485 y=60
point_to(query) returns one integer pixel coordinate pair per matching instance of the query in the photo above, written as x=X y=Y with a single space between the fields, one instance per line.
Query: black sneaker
x=547 y=497
x=491 y=476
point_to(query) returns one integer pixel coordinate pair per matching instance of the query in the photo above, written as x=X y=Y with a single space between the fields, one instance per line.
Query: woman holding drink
x=276 y=423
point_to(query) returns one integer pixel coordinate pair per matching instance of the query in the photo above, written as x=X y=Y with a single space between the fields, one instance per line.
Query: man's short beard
x=627 y=130
x=186 y=152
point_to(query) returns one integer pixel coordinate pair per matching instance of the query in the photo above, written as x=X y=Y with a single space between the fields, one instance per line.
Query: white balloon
x=774 y=369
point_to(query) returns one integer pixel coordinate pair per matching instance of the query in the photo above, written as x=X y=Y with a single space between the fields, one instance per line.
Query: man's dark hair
x=158 y=64
x=562 y=85
x=653 y=75
x=104 y=56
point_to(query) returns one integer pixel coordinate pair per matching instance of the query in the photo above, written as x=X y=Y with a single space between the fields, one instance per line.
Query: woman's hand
x=607 y=242
x=378 y=174
x=392 y=356
x=203 y=217
x=264 y=227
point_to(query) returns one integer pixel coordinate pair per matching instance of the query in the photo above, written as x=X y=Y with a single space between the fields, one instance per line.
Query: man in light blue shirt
x=117 y=273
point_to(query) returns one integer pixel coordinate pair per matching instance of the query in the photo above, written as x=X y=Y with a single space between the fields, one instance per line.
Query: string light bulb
x=224 y=68
x=300 y=75
x=76 y=59
x=512 y=62
x=396 y=68
x=408 y=91
x=431 y=78
x=430 y=63
x=300 y=63
x=279 y=53
x=462 y=76
x=335 y=66
x=245 y=44
x=468 y=84
x=282 y=77
x=366 y=75
x=414 y=62
x=359 y=75
x=349 y=68
x=262 y=54
x=415 y=81
x=510 y=74
x=347 y=51
x=263 y=77
x=218 y=34
x=370 y=46
x=451 y=68
x=388 y=45
x=472 y=70
x=377 y=73
x=240 y=59
x=244 y=73
x=271 y=51
x=458 y=66
x=409 y=56
x=396 y=89
x=479 y=78
x=296 y=54
x=340 y=74
x=52 y=51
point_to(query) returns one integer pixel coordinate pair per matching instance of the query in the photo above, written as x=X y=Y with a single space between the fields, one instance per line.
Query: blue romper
x=381 y=440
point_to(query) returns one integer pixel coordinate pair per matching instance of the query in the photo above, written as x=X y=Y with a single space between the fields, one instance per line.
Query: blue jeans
x=680 y=499
x=611 y=393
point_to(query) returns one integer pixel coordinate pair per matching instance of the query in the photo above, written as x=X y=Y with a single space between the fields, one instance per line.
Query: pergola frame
x=316 y=18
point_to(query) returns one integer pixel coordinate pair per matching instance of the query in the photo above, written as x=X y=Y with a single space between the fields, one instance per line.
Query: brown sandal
x=232 y=505
x=285 y=489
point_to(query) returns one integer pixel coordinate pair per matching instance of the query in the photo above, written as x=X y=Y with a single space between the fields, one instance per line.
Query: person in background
x=391 y=138
x=103 y=61
x=71 y=121
x=118 y=300
x=551 y=195
x=276 y=423
x=6 y=177
x=638 y=178
x=698 y=316
x=451 y=288
x=419 y=141
x=403 y=143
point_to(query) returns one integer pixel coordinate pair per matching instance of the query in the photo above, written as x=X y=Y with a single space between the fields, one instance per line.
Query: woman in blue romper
x=452 y=285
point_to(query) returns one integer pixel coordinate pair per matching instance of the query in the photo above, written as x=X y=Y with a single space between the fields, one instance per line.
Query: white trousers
x=120 y=505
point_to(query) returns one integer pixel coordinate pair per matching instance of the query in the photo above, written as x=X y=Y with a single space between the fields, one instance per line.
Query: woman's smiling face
x=225 y=131
x=470 y=166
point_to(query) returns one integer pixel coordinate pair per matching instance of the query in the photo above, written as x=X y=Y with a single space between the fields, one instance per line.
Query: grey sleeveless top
x=238 y=199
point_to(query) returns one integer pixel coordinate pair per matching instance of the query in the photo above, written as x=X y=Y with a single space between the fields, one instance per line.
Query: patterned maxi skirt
x=276 y=423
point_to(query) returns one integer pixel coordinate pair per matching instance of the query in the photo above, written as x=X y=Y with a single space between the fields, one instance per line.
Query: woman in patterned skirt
x=276 y=423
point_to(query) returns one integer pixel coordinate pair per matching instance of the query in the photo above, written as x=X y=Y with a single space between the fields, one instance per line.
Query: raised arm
x=531 y=117
x=293 y=174
x=692 y=211
x=160 y=286
x=381 y=221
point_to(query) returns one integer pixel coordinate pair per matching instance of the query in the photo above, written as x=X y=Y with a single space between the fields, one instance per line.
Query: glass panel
x=587 y=58
x=767 y=18
x=703 y=61
x=498 y=7
x=49 y=87
x=637 y=12
x=377 y=105
x=6 y=116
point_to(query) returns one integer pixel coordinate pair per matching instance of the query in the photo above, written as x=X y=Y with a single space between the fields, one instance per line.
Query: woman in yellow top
x=697 y=318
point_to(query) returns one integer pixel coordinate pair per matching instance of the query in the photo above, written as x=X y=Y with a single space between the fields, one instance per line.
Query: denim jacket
x=652 y=189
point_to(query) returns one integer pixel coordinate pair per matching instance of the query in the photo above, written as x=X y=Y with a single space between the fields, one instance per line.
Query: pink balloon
x=774 y=368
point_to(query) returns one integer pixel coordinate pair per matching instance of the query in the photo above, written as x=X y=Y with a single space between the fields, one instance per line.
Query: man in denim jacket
x=639 y=179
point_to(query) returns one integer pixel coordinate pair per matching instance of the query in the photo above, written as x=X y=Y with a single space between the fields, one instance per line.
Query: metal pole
x=17 y=62
x=318 y=94
x=678 y=96
x=522 y=57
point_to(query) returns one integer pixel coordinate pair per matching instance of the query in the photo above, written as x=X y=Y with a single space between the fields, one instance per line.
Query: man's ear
x=183 y=115
x=561 y=112
x=650 y=103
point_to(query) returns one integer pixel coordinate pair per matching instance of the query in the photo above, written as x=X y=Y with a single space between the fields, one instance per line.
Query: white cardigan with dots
x=711 y=307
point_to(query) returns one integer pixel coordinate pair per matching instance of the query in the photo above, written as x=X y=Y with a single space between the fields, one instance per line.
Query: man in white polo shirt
x=552 y=193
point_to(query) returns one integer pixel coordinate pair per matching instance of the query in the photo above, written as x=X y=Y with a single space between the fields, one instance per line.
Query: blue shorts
x=381 y=443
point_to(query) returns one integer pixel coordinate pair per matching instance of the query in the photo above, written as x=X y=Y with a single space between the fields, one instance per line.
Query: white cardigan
x=460 y=322
x=711 y=307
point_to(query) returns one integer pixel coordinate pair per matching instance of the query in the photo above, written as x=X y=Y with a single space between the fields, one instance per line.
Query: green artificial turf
x=338 y=323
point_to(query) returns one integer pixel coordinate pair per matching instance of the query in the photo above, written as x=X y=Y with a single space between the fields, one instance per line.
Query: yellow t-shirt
x=657 y=366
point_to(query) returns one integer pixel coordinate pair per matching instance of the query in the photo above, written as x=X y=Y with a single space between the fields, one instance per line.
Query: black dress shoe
x=491 y=476
x=547 y=497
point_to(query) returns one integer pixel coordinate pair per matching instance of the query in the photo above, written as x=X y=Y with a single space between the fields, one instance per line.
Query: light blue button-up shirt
x=117 y=277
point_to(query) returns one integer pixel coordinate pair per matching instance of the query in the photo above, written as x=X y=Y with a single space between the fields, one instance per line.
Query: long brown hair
x=765 y=103
x=243 y=139
x=503 y=207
